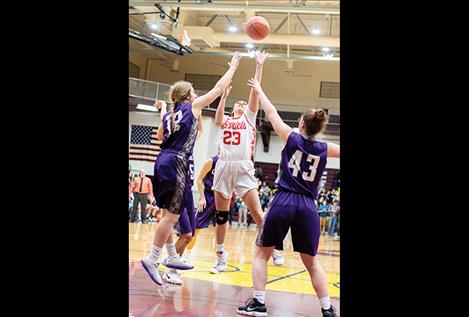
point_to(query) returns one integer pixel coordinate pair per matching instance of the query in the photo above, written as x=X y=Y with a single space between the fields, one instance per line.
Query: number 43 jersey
x=302 y=164
x=238 y=137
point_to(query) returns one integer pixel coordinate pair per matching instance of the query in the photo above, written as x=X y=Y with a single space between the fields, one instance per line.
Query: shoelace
x=249 y=302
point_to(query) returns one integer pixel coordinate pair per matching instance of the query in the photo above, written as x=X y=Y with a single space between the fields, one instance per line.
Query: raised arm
x=333 y=150
x=200 y=128
x=200 y=184
x=161 y=105
x=282 y=129
x=253 y=102
x=220 y=114
x=208 y=98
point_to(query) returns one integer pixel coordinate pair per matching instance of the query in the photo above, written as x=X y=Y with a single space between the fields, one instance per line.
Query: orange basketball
x=257 y=28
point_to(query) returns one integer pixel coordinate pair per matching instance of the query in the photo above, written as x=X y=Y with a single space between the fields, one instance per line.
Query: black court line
x=286 y=276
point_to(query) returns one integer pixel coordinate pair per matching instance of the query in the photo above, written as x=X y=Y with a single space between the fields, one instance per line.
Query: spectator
x=332 y=217
x=142 y=189
x=323 y=210
x=330 y=196
x=243 y=214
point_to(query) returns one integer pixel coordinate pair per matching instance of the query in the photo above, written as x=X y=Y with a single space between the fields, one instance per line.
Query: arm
x=282 y=129
x=161 y=105
x=150 y=191
x=209 y=97
x=254 y=96
x=333 y=150
x=200 y=128
x=131 y=189
x=200 y=184
x=220 y=114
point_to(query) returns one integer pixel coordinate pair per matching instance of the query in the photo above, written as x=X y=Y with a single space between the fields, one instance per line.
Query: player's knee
x=222 y=217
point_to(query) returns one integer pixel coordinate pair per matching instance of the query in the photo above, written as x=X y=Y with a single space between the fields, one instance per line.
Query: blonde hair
x=179 y=92
x=315 y=121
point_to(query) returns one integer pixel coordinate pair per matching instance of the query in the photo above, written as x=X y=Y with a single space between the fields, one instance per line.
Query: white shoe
x=172 y=277
x=152 y=270
x=220 y=263
x=277 y=257
x=187 y=257
x=176 y=263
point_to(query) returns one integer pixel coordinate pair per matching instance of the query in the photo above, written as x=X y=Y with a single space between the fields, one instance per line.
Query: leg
x=162 y=234
x=193 y=240
x=222 y=204
x=319 y=281
x=182 y=242
x=144 y=201
x=259 y=267
x=164 y=228
x=135 y=207
x=251 y=199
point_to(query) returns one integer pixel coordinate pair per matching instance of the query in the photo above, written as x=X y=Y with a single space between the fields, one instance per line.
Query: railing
x=151 y=90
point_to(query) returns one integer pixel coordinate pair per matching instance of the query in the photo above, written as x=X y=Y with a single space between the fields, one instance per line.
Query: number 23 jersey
x=238 y=137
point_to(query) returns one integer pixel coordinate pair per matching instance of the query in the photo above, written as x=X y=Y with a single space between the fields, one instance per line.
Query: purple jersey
x=182 y=137
x=190 y=179
x=208 y=179
x=303 y=162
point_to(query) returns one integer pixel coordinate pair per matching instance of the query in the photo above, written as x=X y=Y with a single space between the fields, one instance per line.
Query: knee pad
x=222 y=217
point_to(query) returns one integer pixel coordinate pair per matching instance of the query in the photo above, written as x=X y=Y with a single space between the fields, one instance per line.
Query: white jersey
x=238 y=137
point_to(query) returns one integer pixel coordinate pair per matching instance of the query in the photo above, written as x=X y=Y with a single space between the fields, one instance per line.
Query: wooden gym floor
x=289 y=290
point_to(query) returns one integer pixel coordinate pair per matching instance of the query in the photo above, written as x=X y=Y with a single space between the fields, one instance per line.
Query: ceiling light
x=154 y=26
x=315 y=32
x=146 y=107
x=232 y=28
x=326 y=49
x=250 y=45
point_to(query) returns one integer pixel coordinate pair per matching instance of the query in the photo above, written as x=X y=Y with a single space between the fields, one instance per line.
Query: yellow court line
x=299 y=283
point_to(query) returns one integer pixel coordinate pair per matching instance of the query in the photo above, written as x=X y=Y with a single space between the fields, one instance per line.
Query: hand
x=235 y=60
x=261 y=57
x=254 y=83
x=159 y=104
x=202 y=204
x=226 y=92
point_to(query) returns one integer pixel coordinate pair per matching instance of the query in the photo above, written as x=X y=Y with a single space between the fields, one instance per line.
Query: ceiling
x=207 y=24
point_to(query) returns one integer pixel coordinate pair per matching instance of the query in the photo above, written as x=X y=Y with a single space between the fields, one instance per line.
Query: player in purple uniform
x=293 y=206
x=206 y=208
x=186 y=223
x=178 y=132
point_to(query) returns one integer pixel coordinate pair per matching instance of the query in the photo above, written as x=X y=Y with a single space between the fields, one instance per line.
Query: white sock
x=220 y=248
x=155 y=253
x=325 y=302
x=260 y=296
x=171 y=248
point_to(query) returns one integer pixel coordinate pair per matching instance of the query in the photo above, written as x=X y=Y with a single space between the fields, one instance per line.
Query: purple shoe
x=152 y=270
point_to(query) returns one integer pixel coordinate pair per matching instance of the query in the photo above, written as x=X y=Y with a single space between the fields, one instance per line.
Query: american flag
x=144 y=146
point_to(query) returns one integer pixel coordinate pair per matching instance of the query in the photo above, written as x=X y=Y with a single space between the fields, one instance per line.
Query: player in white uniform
x=235 y=169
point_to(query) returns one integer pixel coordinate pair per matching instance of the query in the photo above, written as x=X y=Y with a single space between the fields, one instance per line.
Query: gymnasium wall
x=207 y=145
x=281 y=88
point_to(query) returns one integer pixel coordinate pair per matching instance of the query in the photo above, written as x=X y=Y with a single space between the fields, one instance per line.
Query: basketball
x=257 y=28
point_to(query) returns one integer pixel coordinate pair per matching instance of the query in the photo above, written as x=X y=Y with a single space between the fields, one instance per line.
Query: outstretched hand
x=261 y=57
x=254 y=83
x=160 y=104
x=226 y=91
x=235 y=60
